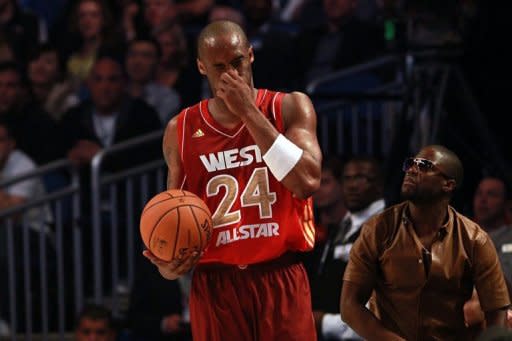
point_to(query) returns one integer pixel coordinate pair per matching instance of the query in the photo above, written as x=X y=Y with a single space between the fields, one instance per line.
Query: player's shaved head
x=217 y=33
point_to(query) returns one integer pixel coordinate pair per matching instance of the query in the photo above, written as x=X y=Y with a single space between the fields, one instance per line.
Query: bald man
x=253 y=156
x=422 y=259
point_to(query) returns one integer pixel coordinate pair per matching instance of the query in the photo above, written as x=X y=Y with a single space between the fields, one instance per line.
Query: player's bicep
x=300 y=122
x=172 y=155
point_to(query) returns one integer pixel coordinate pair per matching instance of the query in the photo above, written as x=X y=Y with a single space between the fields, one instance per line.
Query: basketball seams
x=156 y=225
x=198 y=227
x=177 y=231
x=167 y=199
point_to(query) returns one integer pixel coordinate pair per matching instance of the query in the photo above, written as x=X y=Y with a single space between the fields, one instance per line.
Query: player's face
x=226 y=53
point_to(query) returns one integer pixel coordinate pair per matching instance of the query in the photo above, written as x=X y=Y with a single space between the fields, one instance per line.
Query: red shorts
x=268 y=301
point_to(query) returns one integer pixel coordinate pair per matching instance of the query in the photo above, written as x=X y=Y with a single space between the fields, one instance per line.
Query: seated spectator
x=14 y=162
x=177 y=67
x=490 y=212
x=36 y=219
x=141 y=63
x=95 y=322
x=34 y=130
x=91 y=31
x=51 y=88
x=362 y=188
x=109 y=117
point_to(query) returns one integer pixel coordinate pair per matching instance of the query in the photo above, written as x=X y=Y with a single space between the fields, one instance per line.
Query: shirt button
x=420 y=260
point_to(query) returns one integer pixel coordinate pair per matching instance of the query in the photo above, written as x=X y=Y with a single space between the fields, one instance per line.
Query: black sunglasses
x=423 y=165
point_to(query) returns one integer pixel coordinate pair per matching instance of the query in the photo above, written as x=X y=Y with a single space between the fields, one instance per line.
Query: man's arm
x=496 y=318
x=302 y=175
x=181 y=265
x=353 y=309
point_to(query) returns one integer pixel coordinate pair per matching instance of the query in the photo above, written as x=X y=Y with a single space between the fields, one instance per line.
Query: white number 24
x=255 y=193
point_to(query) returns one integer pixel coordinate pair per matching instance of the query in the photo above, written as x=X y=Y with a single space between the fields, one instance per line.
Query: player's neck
x=221 y=114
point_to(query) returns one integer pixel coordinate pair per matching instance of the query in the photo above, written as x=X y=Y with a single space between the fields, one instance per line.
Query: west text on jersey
x=231 y=158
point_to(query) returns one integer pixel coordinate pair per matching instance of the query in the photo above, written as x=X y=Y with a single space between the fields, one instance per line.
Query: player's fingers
x=188 y=262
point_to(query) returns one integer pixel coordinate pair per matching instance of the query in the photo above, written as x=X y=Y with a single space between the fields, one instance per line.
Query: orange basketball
x=175 y=222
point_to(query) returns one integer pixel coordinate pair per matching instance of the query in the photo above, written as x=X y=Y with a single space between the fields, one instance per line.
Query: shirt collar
x=358 y=218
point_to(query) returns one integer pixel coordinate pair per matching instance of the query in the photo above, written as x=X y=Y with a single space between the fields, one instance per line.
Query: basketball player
x=252 y=155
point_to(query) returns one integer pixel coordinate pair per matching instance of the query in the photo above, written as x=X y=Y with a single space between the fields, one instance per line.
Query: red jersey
x=255 y=218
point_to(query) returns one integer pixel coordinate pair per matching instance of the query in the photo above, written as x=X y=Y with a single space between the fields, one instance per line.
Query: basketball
x=175 y=222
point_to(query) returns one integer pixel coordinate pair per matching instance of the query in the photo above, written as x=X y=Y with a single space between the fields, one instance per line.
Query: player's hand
x=236 y=93
x=175 y=268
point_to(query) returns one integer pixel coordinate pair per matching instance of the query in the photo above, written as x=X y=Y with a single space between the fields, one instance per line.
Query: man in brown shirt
x=421 y=259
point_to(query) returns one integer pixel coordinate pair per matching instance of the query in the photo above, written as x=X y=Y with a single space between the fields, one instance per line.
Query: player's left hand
x=236 y=93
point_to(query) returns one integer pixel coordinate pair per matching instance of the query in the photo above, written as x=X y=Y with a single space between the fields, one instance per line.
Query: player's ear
x=251 y=54
x=200 y=67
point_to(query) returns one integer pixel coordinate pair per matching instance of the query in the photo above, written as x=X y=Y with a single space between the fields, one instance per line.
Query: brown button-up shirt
x=421 y=295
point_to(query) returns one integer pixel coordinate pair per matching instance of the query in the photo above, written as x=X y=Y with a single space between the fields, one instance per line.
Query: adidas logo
x=198 y=133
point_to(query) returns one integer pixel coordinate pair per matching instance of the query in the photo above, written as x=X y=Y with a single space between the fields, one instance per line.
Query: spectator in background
x=421 y=259
x=92 y=30
x=36 y=219
x=329 y=211
x=35 y=132
x=14 y=162
x=158 y=12
x=95 y=322
x=342 y=41
x=109 y=117
x=51 y=87
x=20 y=28
x=362 y=187
x=142 y=60
x=176 y=69
x=490 y=212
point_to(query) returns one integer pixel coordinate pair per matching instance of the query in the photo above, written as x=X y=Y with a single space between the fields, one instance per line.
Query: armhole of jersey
x=180 y=127
x=180 y=132
x=277 y=103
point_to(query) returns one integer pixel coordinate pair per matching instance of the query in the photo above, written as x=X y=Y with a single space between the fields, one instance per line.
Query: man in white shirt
x=14 y=162
x=362 y=191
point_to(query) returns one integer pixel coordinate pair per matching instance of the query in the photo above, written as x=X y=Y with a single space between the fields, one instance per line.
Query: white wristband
x=282 y=156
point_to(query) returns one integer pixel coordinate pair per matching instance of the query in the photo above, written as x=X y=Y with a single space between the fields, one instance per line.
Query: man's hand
x=175 y=268
x=236 y=93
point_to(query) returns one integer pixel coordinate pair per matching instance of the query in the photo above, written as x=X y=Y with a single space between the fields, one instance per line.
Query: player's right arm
x=181 y=265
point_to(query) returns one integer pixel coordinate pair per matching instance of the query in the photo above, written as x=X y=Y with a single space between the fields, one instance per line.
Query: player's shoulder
x=295 y=98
